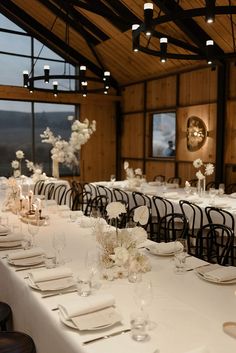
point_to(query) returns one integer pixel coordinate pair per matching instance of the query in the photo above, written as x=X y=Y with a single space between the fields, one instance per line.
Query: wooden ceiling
x=97 y=33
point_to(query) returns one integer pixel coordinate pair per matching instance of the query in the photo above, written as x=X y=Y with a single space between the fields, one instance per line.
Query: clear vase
x=55 y=169
x=201 y=187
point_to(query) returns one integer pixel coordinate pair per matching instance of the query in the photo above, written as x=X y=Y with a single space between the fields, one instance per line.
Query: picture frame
x=163 y=143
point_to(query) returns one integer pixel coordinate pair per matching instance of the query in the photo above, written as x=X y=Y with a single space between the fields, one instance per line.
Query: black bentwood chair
x=16 y=342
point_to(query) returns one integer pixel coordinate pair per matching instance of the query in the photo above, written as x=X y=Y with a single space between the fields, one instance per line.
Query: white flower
x=199 y=175
x=141 y=215
x=187 y=184
x=16 y=173
x=20 y=154
x=121 y=256
x=197 y=163
x=209 y=169
x=15 y=164
x=139 y=235
x=70 y=118
x=126 y=165
x=115 y=209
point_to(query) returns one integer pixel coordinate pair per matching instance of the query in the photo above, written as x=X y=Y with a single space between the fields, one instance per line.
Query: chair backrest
x=48 y=190
x=160 y=178
x=99 y=204
x=58 y=193
x=162 y=206
x=194 y=214
x=141 y=199
x=219 y=216
x=16 y=342
x=212 y=184
x=38 y=187
x=103 y=190
x=174 y=180
x=172 y=226
x=216 y=243
x=81 y=201
x=68 y=198
x=121 y=196
x=193 y=182
x=92 y=188
x=230 y=188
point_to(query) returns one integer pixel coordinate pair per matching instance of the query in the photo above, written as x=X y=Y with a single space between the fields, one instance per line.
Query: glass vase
x=55 y=169
x=201 y=187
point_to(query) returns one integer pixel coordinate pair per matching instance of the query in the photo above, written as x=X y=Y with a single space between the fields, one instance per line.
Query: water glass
x=138 y=322
x=221 y=190
x=180 y=254
x=59 y=243
x=84 y=285
x=73 y=216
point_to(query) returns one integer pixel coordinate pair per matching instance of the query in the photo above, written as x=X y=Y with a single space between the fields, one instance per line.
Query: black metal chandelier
x=207 y=51
x=81 y=82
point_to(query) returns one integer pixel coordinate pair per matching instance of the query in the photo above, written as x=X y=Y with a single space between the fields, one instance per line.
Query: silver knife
x=107 y=336
x=58 y=293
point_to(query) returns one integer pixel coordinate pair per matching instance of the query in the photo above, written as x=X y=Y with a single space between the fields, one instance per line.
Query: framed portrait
x=164 y=134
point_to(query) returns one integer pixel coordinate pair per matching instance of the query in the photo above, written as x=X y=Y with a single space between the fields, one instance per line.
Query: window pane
x=163 y=134
x=45 y=52
x=53 y=116
x=15 y=127
x=6 y=23
x=14 y=43
x=11 y=69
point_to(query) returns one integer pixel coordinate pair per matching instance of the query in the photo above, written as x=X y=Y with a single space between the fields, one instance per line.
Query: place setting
x=23 y=259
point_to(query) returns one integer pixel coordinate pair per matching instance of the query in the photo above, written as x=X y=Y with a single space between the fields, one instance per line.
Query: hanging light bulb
x=135 y=37
x=55 y=86
x=46 y=73
x=210 y=11
x=25 y=78
x=163 y=49
x=148 y=15
x=209 y=51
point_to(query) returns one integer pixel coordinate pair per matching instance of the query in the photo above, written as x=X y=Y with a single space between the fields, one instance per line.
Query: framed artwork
x=164 y=134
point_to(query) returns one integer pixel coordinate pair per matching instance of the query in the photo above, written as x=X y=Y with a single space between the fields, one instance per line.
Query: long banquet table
x=188 y=311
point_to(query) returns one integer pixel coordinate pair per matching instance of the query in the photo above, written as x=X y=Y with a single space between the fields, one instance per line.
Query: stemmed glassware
x=33 y=229
x=59 y=243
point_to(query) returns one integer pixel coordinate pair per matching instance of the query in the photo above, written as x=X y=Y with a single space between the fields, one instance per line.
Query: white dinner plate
x=233 y=281
x=70 y=324
x=33 y=285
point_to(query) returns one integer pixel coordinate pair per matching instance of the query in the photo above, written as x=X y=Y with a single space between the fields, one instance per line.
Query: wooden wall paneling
x=207 y=113
x=198 y=87
x=161 y=93
x=232 y=82
x=132 y=136
x=133 y=98
x=162 y=167
x=230 y=133
x=98 y=155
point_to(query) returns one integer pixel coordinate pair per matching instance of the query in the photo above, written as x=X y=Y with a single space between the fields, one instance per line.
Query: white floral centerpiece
x=120 y=246
x=133 y=176
x=203 y=171
x=67 y=152
x=16 y=164
x=13 y=194
x=37 y=171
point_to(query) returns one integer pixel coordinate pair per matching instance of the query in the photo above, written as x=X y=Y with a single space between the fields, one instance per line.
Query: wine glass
x=221 y=190
x=143 y=294
x=112 y=179
x=180 y=254
x=59 y=243
x=92 y=265
x=33 y=229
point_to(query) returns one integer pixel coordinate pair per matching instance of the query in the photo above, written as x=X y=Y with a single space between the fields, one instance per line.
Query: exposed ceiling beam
x=70 y=11
x=30 y=25
x=123 y=12
x=188 y=26
x=80 y=18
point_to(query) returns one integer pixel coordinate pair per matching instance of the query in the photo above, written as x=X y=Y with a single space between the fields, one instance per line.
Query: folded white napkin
x=50 y=274
x=233 y=195
x=221 y=274
x=84 y=305
x=171 y=195
x=23 y=254
x=165 y=248
x=3 y=229
x=11 y=237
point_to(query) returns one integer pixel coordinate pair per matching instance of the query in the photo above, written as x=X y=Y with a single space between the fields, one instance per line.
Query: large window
x=21 y=123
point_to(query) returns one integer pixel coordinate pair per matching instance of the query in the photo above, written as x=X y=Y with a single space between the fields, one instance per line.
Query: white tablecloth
x=188 y=311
